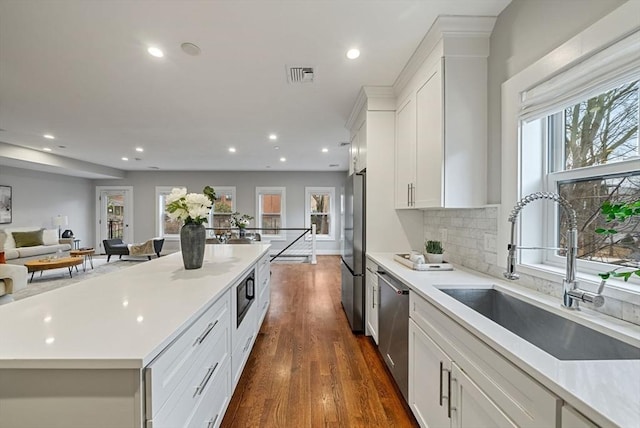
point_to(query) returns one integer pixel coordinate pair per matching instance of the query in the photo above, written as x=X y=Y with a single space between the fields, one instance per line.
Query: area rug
x=58 y=278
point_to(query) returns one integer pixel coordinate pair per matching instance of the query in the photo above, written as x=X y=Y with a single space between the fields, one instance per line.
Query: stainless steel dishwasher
x=394 y=328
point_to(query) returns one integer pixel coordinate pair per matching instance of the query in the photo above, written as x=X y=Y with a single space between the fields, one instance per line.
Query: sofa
x=12 y=279
x=30 y=245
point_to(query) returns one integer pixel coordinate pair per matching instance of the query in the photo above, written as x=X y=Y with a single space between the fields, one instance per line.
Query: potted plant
x=433 y=250
x=620 y=213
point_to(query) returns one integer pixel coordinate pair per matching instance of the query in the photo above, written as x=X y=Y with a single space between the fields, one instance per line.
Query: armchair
x=115 y=247
x=12 y=278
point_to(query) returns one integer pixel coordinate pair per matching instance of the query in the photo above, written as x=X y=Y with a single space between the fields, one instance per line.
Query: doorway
x=114 y=214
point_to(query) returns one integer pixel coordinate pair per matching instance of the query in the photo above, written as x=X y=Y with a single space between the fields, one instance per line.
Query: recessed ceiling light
x=283 y=159
x=273 y=137
x=49 y=137
x=139 y=149
x=154 y=51
x=125 y=158
x=232 y=149
x=353 y=53
x=47 y=149
x=325 y=150
x=276 y=147
x=190 y=48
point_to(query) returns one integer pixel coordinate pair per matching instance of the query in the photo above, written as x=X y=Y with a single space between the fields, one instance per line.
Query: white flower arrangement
x=191 y=208
x=240 y=221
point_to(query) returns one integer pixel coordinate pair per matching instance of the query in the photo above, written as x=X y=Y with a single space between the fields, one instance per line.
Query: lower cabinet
x=372 y=297
x=456 y=380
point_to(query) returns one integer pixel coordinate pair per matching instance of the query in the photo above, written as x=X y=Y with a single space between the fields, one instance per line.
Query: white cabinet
x=442 y=395
x=372 y=300
x=471 y=407
x=441 y=125
x=263 y=283
x=571 y=418
x=370 y=100
x=446 y=362
x=358 y=149
x=429 y=369
x=405 y=152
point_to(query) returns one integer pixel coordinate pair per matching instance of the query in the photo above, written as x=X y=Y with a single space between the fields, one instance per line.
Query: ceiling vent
x=300 y=74
x=344 y=143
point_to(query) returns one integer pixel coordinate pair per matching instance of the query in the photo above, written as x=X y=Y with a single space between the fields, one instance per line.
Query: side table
x=86 y=254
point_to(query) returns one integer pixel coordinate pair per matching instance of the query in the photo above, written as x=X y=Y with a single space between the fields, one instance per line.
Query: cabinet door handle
x=205 y=333
x=212 y=422
x=408 y=194
x=441 y=397
x=449 y=399
x=204 y=382
x=373 y=298
x=247 y=344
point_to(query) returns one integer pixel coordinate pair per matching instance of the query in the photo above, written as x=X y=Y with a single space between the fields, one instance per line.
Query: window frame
x=162 y=192
x=331 y=191
x=272 y=190
x=221 y=190
x=604 y=34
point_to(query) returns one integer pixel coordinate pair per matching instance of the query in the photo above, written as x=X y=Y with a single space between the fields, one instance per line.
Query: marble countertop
x=608 y=392
x=121 y=319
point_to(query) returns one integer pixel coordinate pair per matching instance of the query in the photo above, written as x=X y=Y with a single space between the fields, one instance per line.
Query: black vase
x=192 y=240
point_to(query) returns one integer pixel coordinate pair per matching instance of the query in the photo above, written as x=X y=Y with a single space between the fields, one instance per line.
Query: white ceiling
x=80 y=71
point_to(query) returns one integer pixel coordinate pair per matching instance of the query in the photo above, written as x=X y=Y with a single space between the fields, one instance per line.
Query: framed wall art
x=5 y=204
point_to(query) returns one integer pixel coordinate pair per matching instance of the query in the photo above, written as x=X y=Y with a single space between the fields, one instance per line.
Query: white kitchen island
x=139 y=347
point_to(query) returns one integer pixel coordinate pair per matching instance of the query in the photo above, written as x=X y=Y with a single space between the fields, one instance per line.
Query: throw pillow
x=28 y=239
x=50 y=237
x=3 y=259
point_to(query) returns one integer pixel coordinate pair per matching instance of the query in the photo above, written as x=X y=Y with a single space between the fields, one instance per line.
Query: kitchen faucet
x=571 y=294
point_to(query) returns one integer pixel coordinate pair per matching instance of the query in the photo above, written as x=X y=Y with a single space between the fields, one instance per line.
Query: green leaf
x=604 y=275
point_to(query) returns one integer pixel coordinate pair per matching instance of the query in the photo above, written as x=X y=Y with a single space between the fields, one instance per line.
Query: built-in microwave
x=246 y=293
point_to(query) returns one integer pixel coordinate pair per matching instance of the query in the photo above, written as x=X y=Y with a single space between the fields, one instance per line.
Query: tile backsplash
x=469 y=239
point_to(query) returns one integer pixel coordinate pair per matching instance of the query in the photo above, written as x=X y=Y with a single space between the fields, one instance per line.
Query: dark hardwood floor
x=307 y=369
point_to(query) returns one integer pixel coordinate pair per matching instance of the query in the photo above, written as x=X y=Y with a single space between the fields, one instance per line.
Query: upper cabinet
x=365 y=122
x=441 y=118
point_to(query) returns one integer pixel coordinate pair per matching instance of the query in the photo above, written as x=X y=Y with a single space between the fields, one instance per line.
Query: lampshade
x=60 y=220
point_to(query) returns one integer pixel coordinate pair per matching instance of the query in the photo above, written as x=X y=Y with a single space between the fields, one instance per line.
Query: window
x=270 y=203
x=578 y=136
x=319 y=210
x=224 y=205
x=166 y=227
x=593 y=151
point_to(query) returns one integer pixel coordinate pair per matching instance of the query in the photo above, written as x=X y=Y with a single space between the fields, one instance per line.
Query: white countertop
x=608 y=392
x=122 y=319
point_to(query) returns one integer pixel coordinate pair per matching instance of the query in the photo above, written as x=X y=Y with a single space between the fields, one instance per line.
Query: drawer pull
x=205 y=333
x=204 y=382
x=247 y=344
x=212 y=422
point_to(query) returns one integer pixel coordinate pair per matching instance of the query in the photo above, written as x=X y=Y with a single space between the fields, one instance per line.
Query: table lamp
x=59 y=221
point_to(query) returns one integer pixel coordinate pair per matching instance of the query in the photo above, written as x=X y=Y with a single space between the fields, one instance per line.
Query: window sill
x=614 y=288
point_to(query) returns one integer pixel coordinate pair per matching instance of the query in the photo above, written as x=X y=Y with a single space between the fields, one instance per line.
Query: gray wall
x=144 y=184
x=39 y=196
x=524 y=32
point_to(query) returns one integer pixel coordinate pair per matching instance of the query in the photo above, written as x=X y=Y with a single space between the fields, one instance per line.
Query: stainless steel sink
x=558 y=336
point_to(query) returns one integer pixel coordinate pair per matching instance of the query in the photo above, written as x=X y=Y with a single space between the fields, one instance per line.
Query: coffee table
x=34 y=266
x=86 y=254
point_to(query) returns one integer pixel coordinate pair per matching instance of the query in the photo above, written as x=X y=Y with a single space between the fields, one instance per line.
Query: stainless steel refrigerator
x=353 y=251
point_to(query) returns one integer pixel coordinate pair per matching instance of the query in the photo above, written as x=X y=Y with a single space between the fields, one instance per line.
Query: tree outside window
x=319 y=210
x=596 y=162
x=223 y=206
